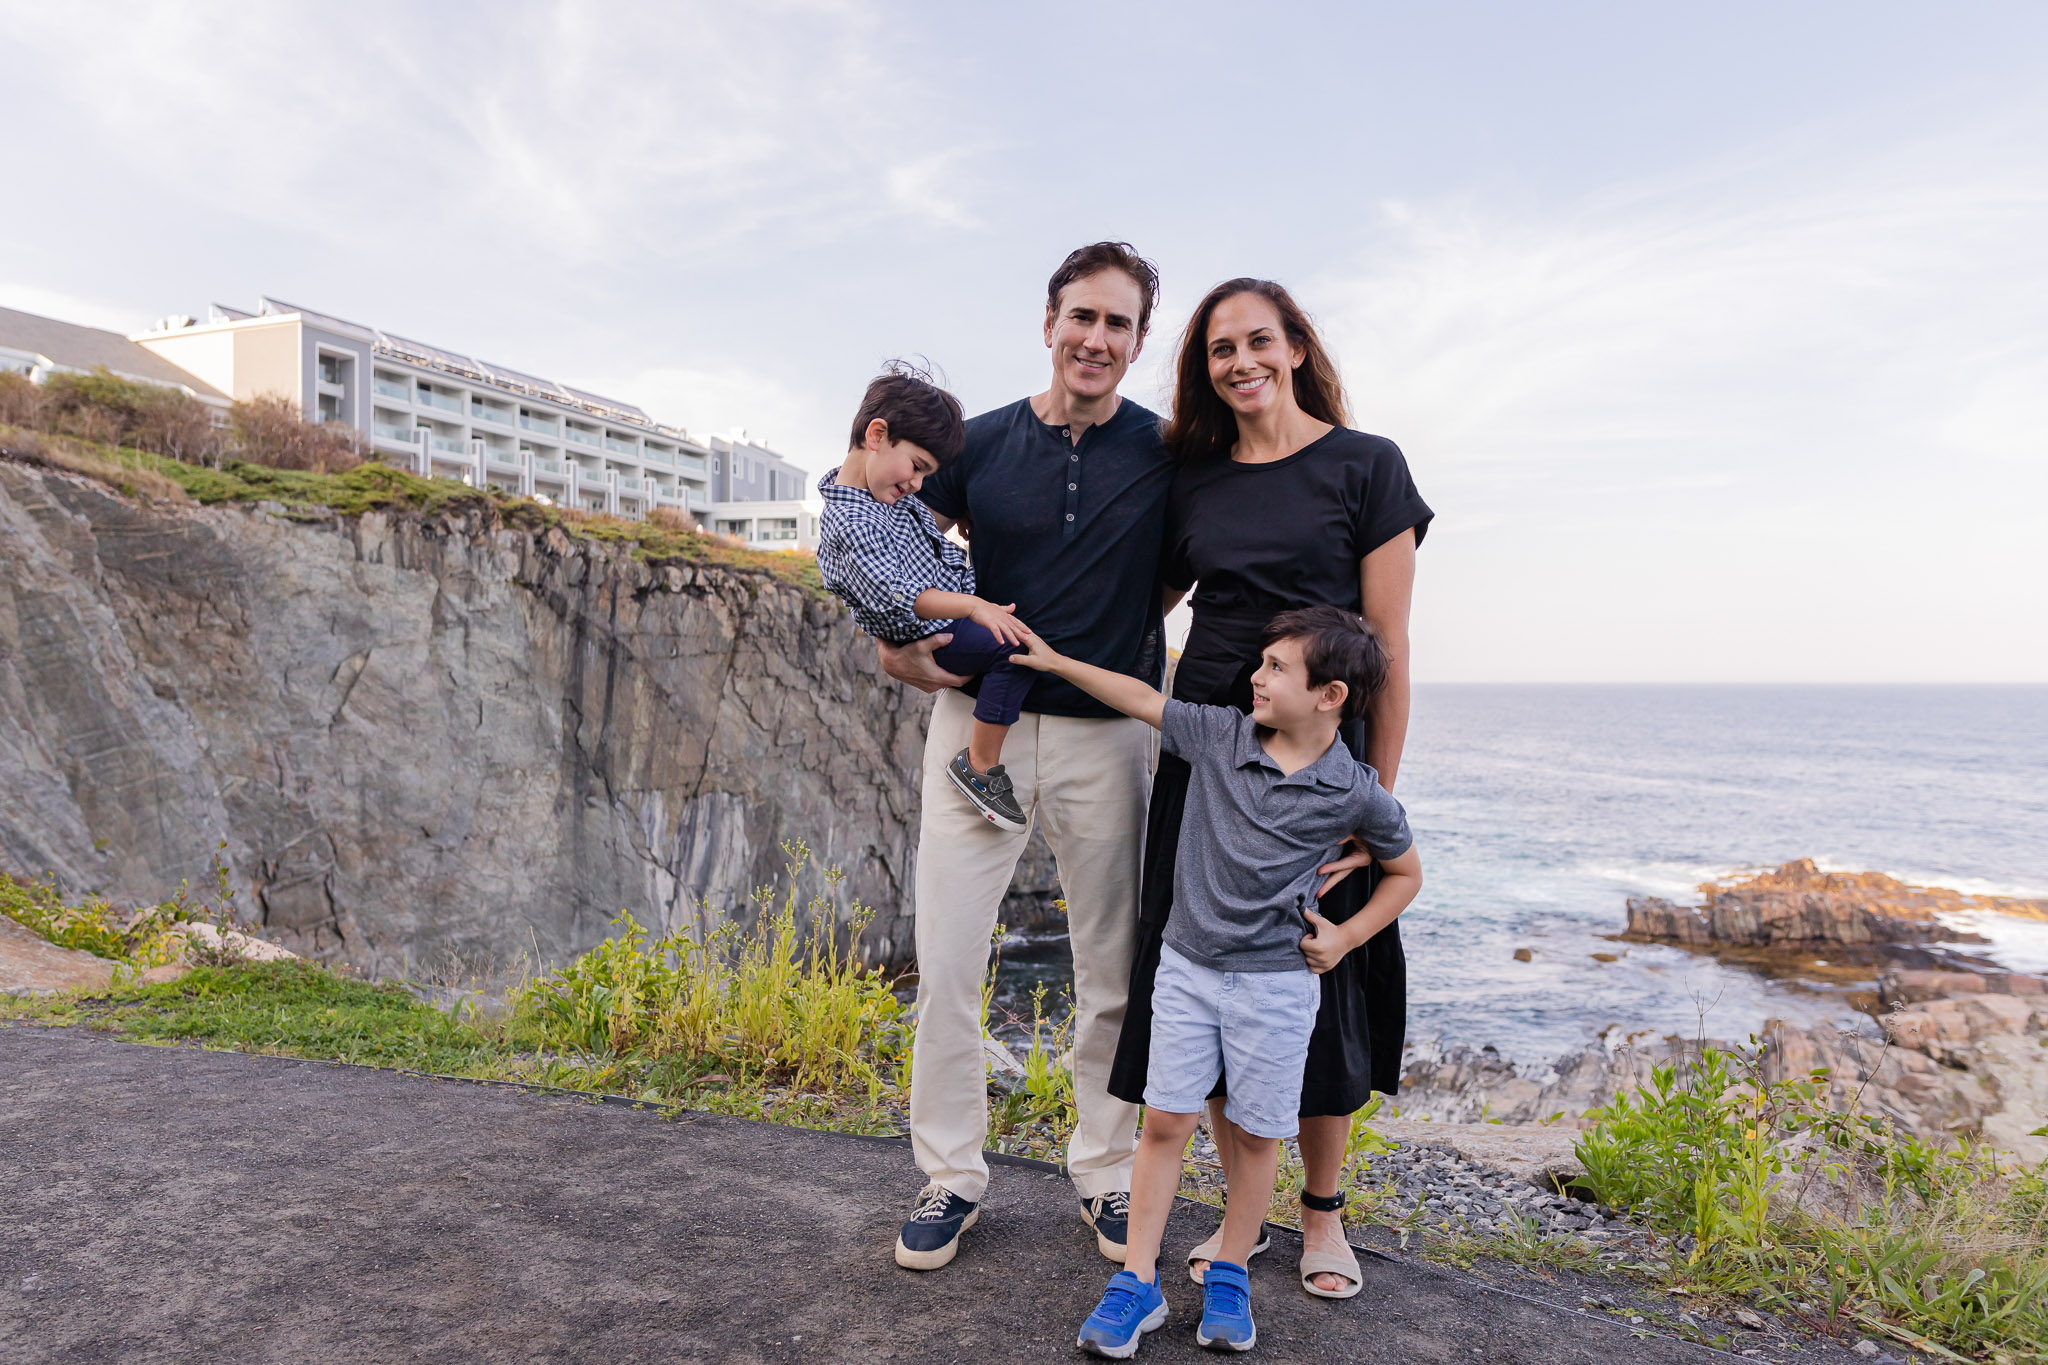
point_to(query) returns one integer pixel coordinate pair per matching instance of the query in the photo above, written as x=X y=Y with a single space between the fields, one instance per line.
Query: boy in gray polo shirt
x=1270 y=799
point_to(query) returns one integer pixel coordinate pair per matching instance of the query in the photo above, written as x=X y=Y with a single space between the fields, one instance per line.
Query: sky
x=1717 y=336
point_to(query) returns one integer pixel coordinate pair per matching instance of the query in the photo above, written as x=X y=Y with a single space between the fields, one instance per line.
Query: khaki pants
x=1087 y=783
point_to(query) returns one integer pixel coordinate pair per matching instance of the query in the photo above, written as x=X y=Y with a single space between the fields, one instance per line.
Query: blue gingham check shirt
x=879 y=556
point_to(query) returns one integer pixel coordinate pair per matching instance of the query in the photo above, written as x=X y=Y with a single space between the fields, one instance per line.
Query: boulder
x=1908 y=987
x=1949 y=1030
x=32 y=965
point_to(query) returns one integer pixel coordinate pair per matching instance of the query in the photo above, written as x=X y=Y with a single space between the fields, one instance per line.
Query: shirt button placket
x=1073 y=490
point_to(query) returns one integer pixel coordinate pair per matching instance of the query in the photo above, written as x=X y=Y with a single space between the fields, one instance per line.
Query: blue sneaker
x=932 y=1236
x=1129 y=1309
x=1110 y=1216
x=1226 y=1309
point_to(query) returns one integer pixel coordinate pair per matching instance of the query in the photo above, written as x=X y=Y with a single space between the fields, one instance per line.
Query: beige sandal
x=1314 y=1263
x=1211 y=1249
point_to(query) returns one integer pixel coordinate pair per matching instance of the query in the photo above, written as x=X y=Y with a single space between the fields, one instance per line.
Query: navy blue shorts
x=976 y=649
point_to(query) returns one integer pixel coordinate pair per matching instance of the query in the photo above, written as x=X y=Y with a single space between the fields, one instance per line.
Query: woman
x=1278 y=505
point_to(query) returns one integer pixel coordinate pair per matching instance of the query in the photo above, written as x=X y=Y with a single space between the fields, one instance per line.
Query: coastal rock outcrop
x=1800 y=905
x=425 y=737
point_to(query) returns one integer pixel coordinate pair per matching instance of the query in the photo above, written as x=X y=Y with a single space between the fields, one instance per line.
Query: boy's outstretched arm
x=1126 y=694
x=1326 y=944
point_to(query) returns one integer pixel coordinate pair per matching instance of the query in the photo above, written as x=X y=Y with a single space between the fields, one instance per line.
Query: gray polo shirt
x=1251 y=838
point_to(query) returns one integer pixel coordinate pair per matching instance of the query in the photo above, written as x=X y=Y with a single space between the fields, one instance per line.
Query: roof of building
x=71 y=347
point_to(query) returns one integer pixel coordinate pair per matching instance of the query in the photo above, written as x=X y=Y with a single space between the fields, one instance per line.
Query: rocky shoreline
x=1955 y=1046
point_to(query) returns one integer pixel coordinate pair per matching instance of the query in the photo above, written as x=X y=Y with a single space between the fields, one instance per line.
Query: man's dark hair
x=916 y=409
x=1336 y=646
x=1100 y=256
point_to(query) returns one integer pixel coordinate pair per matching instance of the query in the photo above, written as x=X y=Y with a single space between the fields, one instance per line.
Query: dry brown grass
x=673 y=519
x=94 y=462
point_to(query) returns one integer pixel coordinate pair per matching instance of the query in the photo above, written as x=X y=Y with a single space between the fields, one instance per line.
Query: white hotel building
x=453 y=416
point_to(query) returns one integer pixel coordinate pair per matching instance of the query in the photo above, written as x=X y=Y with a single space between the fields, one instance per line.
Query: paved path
x=178 y=1205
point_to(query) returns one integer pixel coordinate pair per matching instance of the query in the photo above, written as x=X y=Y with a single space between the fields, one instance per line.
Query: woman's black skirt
x=1356 y=1046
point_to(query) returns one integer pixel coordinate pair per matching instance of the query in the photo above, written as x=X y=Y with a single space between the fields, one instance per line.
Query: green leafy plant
x=1941 y=1248
x=783 y=1001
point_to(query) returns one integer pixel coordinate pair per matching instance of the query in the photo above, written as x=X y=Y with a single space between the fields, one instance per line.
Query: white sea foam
x=2019 y=945
x=1672 y=880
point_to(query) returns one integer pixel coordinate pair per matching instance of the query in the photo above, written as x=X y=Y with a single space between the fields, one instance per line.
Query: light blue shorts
x=1252 y=1027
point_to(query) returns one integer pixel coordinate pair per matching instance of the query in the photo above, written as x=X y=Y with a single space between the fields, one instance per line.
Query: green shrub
x=107 y=409
x=1923 y=1242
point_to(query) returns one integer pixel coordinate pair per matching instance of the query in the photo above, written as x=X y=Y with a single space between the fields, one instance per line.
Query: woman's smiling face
x=1251 y=362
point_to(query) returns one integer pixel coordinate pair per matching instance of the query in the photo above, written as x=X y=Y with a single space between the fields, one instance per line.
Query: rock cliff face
x=432 y=736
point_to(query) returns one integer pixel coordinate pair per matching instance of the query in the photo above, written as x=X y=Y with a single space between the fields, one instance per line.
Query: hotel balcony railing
x=536 y=424
x=546 y=465
x=692 y=463
x=503 y=419
x=582 y=438
x=627 y=485
x=384 y=431
x=439 y=400
x=388 y=390
x=510 y=459
x=660 y=456
x=444 y=443
x=622 y=447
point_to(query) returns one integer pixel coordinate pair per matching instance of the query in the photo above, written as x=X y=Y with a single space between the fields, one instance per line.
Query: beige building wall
x=240 y=361
x=267 y=362
x=209 y=355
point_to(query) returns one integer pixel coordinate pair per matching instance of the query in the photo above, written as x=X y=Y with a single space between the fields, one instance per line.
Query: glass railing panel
x=582 y=438
x=536 y=424
x=398 y=391
x=503 y=419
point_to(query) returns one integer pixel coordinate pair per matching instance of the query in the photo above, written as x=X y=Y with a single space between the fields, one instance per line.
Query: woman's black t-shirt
x=1259 y=539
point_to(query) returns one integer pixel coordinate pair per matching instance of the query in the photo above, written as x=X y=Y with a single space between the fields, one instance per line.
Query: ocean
x=1540 y=809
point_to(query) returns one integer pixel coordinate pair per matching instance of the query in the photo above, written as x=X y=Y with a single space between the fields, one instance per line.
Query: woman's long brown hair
x=1203 y=425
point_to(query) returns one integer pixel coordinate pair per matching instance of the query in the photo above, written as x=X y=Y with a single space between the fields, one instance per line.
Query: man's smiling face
x=1093 y=333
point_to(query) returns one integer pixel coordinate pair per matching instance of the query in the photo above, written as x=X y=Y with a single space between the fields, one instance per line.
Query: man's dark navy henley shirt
x=1070 y=532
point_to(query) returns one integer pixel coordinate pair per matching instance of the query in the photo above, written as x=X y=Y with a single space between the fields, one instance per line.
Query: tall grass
x=789 y=1000
x=1839 y=1219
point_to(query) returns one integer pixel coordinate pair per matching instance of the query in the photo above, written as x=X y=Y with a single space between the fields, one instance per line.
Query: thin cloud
x=1763 y=390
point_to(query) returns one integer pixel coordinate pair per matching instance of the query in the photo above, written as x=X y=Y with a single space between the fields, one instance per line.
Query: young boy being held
x=880 y=550
x=1271 y=798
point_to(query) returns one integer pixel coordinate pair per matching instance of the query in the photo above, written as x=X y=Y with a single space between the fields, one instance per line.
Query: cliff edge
x=430 y=734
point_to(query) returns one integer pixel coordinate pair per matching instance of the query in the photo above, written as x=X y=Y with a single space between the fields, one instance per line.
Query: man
x=1063 y=497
